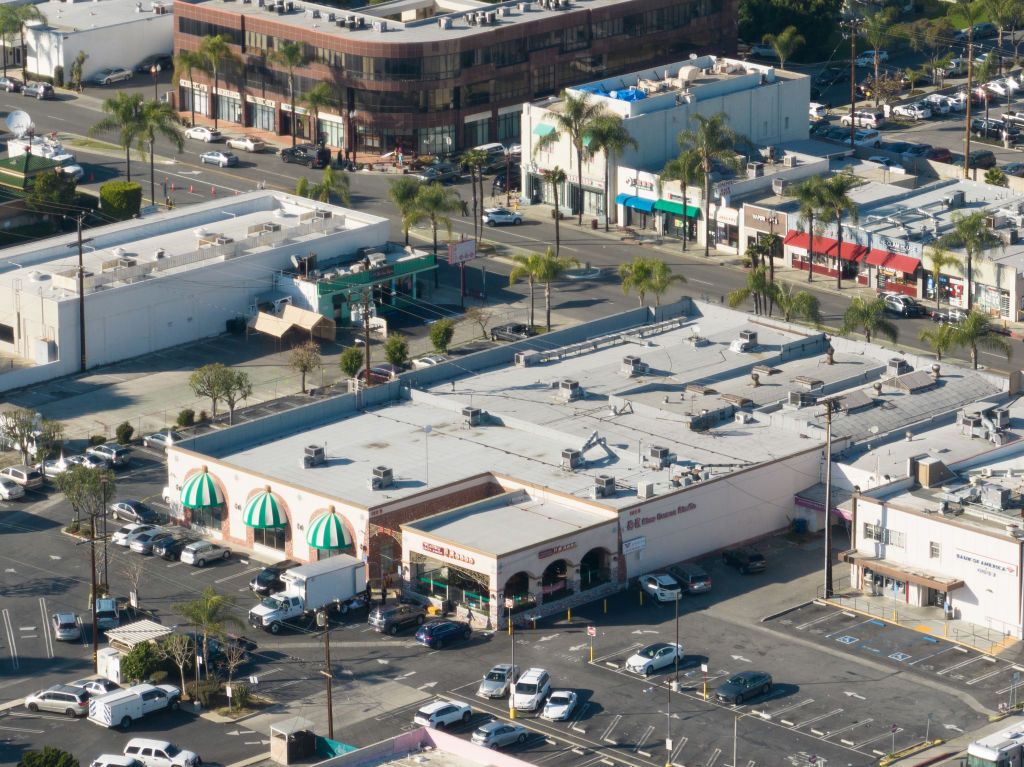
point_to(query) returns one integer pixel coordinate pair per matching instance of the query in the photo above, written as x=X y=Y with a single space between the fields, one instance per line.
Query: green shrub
x=121 y=199
x=186 y=417
x=202 y=417
x=351 y=360
x=124 y=433
x=97 y=439
x=441 y=333
x=141 y=661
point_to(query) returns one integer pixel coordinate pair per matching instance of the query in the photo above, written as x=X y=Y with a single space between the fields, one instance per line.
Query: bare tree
x=133 y=571
x=235 y=656
x=180 y=649
x=480 y=316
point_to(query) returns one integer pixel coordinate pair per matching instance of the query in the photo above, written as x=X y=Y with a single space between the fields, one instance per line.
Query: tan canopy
x=316 y=325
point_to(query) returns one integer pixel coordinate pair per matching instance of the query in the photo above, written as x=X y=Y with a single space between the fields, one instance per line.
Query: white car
x=428 y=361
x=96 y=685
x=531 y=689
x=88 y=461
x=10 y=490
x=938 y=103
x=77 y=172
x=867 y=137
x=560 y=705
x=202 y=552
x=247 y=143
x=661 y=586
x=66 y=627
x=162 y=439
x=654 y=657
x=160 y=753
x=817 y=111
x=223 y=159
x=1002 y=87
x=443 y=713
x=122 y=535
x=112 y=75
x=201 y=133
x=499 y=216
x=915 y=111
x=115 y=760
x=867 y=58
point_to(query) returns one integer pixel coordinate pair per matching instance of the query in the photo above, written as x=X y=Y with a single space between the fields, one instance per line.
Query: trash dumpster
x=292 y=740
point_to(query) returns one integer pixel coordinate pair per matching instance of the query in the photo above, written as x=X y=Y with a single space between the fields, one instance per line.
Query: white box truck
x=122 y=707
x=338 y=582
x=1001 y=749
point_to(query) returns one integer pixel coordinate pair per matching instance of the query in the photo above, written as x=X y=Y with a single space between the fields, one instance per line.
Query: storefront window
x=456 y=586
x=992 y=300
x=477 y=132
x=261 y=117
x=229 y=109
x=190 y=96
x=333 y=133
x=208 y=517
x=508 y=127
x=271 y=537
x=440 y=140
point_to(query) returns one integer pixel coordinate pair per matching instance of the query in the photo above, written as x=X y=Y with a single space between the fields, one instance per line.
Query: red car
x=939 y=154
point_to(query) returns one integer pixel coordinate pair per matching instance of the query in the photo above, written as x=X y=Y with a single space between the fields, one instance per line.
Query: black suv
x=308 y=155
x=171 y=548
x=394 y=618
x=513 y=331
x=745 y=560
x=989 y=128
x=268 y=580
x=440 y=633
x=831 y=76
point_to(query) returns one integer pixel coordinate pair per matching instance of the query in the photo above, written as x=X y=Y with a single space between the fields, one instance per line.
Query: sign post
x=704 y=670
x=591 y=632
x=459 y=253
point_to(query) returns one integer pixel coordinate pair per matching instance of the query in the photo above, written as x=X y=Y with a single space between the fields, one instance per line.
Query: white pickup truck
x=122 y=707
x=337 y=583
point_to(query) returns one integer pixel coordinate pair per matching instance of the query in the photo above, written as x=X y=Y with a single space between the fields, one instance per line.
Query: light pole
x=92 y=600
x=155 y=71
x=103 y=486
x=321 y=620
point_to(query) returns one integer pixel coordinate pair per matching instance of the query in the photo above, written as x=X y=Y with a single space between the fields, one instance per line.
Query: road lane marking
x=606 y=736
x=12 y=646
x=46 y=628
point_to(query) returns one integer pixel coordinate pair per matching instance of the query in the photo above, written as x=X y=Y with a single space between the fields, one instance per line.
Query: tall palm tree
x=124 y=112
x=836 y=202
x=402 y=193
x=609 y=135
x=23 y=14
x=9 y=26
x=435 y=204
x=645 y=275
x=757 y=287
x=320 y=97
x=941 y=338
x=476 y=160
x=941 y=259
x=795 y=303
x=976 y=330
x=809 y=195
x=556 y=177
x=972 y=235
x=684 y=168
x=290 y=54
x=576 y=120
x=332 y=185
x=189 y=62
x=662 y=279
x=770 y=243
x=877 y=30
x=785 y=43
x=714 y=142
x=552 y=268
x=216 y=50
x=527 y=267
x=210 y=614
x=868 y=316
x=157 y=117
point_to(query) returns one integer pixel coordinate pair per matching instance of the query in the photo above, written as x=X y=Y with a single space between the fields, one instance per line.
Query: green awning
x=328 y=532
x=676 y=209
x=543 y=129
x=201 y=492
x=263 y=512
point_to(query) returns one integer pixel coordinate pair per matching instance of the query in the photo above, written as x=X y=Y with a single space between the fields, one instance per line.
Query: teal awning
x=263 y=512
x=676 y=208
x=328 y=532
x=620 y=199
x=636 y=203
x=201 y=492
x=543 y=129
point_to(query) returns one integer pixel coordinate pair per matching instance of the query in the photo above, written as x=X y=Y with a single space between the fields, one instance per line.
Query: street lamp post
x=92 y=599
x=155 y=71
x=323 y=622
x=103 y=485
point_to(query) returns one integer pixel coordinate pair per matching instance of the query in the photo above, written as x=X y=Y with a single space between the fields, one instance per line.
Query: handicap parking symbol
x=899 y=656
x=847 y=639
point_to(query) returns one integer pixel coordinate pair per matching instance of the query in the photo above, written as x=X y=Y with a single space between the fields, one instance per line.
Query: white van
x=497 y=156
x=817 y=111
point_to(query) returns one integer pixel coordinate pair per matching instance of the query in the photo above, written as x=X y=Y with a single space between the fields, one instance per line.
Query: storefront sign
x=896 y=245
x=639 y=519
x=194 y=86
x=228 y=94
x=550 y=552
x=448 y=553
x=984 y=565
x=639 y=183
x=765 y=219
x=462 y=251
x=634 y=544
x=724 y=215
x=382 y=272
x=261 y=101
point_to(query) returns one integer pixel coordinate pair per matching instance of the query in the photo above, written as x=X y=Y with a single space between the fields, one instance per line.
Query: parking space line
x=886 y=734
x=22 y=729
x=47 y=637
x=771 y=714
x=713 y=758
x=643 y=739
x=846 y=629
x=986 y=676
x=606 y=735
x=817 y=620
x=818 y=718
x=926 y=657
x=9 y=631
x=848 y=727
x=235 y=575
x=675 y=751
x=626 y=651
x=960 y=665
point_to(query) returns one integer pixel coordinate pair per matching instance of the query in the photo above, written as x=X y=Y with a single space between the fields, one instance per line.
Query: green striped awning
x=263 y=511
x=327 y=531
x=200 y=492
x=676 y=208
x=543 y=129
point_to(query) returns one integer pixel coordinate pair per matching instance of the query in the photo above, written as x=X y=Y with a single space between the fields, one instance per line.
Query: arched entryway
x=517 y=588
x=595 y=568
x=204 y=501
x=266 y=516
x=328 y=534
x=385 y=558
x=556 y=582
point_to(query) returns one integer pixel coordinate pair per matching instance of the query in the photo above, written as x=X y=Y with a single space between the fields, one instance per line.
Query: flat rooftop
x=72 y=17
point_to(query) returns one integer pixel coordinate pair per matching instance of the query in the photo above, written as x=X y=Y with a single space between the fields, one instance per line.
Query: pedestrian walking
x=469 y=615
x=465 y=207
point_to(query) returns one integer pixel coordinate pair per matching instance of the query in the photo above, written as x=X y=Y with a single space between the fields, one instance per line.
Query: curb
x=251 y=760
x=787 y=610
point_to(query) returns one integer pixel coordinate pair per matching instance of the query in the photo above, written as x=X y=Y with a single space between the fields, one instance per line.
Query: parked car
x=918 y=110
x=817 y=111
x=138 y=533
x=441 y=172
x=498 y=733
x=938 y=103
x=116 y=456
x=692 y=578
x=202 y=133
x=438 y=634
x=10 y=84
x=744 y=686
x=160 y=753
x=500 y=217
x=390 y=619
x=498 y=185
x=121 y=535
x=66 y=627
x=60 y=699
x=247 y=143
x=982 y=30
x=940 y=154
x=223 y=159
x=144 y=542
x=443 y=713
x=916 y=151
x=25 y=476
x=163 y=60
x=661 y=586
x=867 y=58
x=96 y=685
x=886 y=162
x=428 y=361
x=997 y=129
x=38 y=90
x=868 y=138
x=171 y=548
x=513 y=331
x=131 y=510
x=202 y=553
x=904 y=306
x=531 y=690
x=744 y=559
x=763 y=51
x=980 y=158
x=831 y=75
x=10 y=490
x=162 y=439
x=497 y=682
x=115 y=760
x=560 y=705
x=1014 y=169
x=864 y=118
x=72 y=169
x=654 y=657
x=268 y=580
x=306 y=154
x=88 y=461
x=1003 y=86
x=218 y=649
x=110 y=75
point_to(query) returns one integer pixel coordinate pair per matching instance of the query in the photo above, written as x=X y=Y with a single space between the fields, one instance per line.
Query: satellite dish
x=19 y=123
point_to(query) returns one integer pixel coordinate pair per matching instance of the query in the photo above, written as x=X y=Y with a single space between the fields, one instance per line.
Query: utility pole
x=92 y=598
x=851 y=30
x=967 y=115
x=322 y=620
x=103 y=485
x=366 y=332
x=828 y=497
x=81 y=294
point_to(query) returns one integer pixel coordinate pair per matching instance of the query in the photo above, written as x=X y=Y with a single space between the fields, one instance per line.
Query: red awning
x=852 y=252
x=894 y=261
x=823 y=246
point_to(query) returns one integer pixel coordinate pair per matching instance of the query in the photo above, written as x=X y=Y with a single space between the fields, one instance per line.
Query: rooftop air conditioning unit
x=444 y=22
x=382 y=477
x=472 y=415
x=742 y=416
x=525 y=359
x=897 y=366
x=750 y=336
x=160 y=253
x=1008 y=236
x=755 y=169
x=492 y=18
x=569 y=390
x=645 y=490
x=314 y=455
x=779 y=186
x=658 y=456
x=572 y=459
x=790 y=161
x=800 y=398
x=524 y=7
x=632 y=365
x=604 y=486
x=504 y=11
x=994 y=496
x=380 y=26
x=126 y=262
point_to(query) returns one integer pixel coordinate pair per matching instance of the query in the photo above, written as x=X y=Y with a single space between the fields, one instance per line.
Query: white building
x=113 y=33
x=168 y=279
x=766 y=105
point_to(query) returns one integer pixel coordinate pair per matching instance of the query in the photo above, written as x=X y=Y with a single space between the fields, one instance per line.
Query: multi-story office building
x=434 y=76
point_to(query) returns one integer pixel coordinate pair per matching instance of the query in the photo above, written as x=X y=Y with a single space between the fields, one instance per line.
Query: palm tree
x=216 y=50
x=9 y=26
x=23 y=14
x=647 y=275
x=319 y=98
x=662 y=279
x=551 y=268
x=157 y=117
x=333 y=184
x=210 y=613
x=795 y=303
x=757 y=287
x=190 y=61
x=529 y=268
x=785 y=43
x=941 y=259
x=576 y=120
x=836 y=202
x=941 y=338
x=609 y=135
x=556 y=177
x=123 y=112
x=868 y=316
x=435 y=204
x=877 y=30
x=713 y=141
x=809 y=194
x=402 y=193
x=476 y=160
x=290 y=54
x=683 y=168
x=976 y=330
x=972 y=234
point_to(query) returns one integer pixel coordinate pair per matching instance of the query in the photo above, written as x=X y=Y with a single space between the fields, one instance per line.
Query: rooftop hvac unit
x=750 y=336
x=897 y=366
x=332 y=16
x=572 y=459
x=779 y=186
x=314 y=455
x=658 y=456
x=126 y=262
x=742 y=416
x=160 y=253
x=525 y=359
x=524 y=7
x=315 y=12
x=504 y=11
x=604 y=486
x=645 y=490
x=444 y=22
x=492 y=18
x=800 y=398
x=790 y=161
x=632 y=365
x=380 y=26
x=1008 y=236
x=472 y=415
x=955 y=200
x=755 y=169
x=382 y=477
x=569 y=390
x=745 y=343
x=994 y=496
